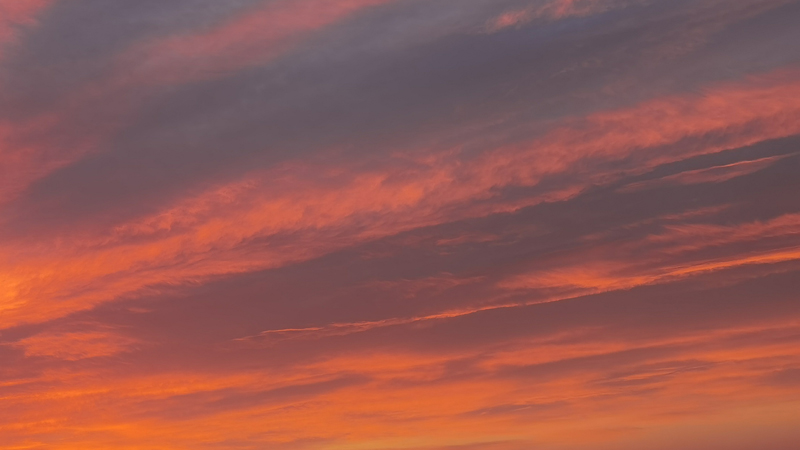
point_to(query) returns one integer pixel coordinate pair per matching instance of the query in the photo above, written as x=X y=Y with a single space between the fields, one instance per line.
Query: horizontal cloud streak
x=317 y=206
x=399 y=224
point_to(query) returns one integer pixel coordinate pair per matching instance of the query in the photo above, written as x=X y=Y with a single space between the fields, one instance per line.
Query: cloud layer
x=400 y=224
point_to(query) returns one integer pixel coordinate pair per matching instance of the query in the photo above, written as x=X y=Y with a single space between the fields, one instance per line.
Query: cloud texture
x=400 y=224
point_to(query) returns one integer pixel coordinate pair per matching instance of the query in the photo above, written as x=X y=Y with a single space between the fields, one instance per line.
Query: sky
x=400 y=224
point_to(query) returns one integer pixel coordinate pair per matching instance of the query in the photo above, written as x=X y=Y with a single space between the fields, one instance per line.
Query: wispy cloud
x=394 y=224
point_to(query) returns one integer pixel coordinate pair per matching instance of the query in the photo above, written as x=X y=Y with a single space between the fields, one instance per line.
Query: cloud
x=351 y=224
x=250 y=39
x=553 y=10
x=76 y=345
x=310 y=210
x=716 y=174
x=18 y=14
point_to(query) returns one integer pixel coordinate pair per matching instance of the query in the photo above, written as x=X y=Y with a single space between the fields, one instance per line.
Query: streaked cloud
x=399 y=224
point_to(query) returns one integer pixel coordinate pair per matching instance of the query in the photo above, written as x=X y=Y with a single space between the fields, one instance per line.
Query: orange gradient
x=399 y=225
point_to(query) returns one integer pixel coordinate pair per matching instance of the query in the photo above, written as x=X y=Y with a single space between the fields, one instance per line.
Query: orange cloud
x=715 y=174
x=554 y=10
x=29 y=151
x=319 y=212
x=677 y=253
x=77 y=345
x=500 y=370
x=411 y=400
x=18 y=13
x=250 y=39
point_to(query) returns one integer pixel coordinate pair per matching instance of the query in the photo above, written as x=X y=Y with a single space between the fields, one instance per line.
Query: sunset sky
x=400 y=224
